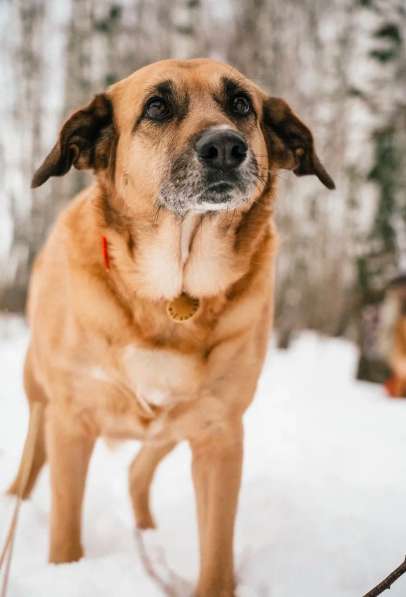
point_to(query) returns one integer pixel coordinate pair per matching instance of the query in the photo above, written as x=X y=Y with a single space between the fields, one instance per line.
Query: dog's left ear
x=290 y=142
x=85 y=141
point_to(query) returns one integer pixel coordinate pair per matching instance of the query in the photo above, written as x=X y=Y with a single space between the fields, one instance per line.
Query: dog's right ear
x=85 y=141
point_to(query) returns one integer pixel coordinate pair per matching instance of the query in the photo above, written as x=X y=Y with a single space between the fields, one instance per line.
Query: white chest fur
x=161 y=377
x=191 y=254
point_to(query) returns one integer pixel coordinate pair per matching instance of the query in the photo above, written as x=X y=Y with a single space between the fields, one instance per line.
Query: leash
x=26 y=466
x=168 y=581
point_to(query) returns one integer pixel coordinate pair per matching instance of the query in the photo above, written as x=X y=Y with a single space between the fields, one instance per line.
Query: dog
x=396 y=340
x=151 y=305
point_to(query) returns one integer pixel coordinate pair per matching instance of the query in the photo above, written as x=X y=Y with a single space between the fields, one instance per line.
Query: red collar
x=105 y=251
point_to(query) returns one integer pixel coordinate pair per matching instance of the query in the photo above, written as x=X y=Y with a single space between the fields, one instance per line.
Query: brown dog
x=150 y=305
x=396 y=295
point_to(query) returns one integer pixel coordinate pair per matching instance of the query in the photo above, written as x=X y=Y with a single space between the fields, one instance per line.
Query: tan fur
x=398 y=354
x=105 y=356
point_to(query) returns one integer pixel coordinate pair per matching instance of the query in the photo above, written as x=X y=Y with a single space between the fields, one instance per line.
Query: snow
x=322 y=502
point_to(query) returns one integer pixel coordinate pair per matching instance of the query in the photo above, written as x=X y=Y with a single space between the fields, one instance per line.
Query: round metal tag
x=182 y=308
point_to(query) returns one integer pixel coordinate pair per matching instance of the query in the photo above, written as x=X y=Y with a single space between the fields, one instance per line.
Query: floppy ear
x=85 y=141
x=290 y=142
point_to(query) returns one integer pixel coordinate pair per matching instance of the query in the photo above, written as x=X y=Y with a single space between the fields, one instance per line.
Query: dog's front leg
x=69 y=450
x=216 y=468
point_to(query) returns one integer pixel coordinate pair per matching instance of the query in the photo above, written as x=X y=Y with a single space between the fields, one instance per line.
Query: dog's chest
x=161 y=377
x=191 y=255
x=139 y=386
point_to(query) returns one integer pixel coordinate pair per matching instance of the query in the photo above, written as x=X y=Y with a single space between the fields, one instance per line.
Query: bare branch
x=388 y=581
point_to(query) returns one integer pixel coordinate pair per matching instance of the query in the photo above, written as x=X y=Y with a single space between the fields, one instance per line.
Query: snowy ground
x=322 y=503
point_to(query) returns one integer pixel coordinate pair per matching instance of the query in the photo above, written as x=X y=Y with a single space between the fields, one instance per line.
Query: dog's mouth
x=189 y=187
x=219 y=188
x=222 y=195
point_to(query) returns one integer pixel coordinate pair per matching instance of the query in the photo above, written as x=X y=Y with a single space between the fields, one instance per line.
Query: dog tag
x=182 y=308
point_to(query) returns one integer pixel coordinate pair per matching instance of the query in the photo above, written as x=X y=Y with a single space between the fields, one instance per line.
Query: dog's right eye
x=157 y=109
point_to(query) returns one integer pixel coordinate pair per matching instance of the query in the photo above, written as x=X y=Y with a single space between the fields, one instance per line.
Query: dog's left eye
x=157 y=109
x=241 y=105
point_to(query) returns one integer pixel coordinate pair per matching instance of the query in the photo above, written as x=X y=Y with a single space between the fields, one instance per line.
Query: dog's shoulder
x=68 y=277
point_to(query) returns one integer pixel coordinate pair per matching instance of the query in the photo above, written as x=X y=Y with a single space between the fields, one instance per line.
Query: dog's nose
x=223 y=150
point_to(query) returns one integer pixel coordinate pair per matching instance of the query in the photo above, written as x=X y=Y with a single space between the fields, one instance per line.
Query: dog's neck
x=188 y=229
x=201 y=254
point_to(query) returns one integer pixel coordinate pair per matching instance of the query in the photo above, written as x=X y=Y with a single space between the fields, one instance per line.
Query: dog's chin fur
x=184 y=199
x=207 y=202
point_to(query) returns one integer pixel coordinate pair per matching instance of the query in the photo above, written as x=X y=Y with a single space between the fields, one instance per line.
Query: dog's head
x=191 y=135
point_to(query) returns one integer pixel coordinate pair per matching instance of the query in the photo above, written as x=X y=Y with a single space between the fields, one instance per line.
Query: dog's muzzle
x=218 y=172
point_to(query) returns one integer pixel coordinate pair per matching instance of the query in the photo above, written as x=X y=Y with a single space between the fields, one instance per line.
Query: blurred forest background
x=341 y=64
